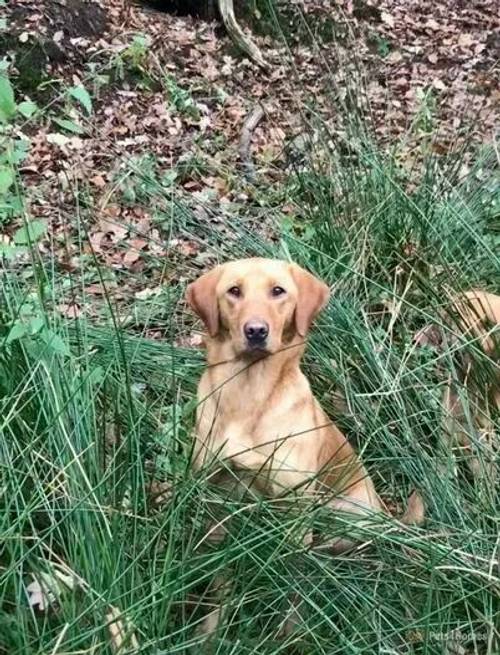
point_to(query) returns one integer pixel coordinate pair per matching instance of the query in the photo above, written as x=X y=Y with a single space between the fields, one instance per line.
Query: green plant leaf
x=36 y=324
x=7 y=102
x=6 y=179
x=27 y=108
x=68 y=125
x=7 y=251
x=17 y=331
x=96 y=376
x=81 y=94
x=169 y=178
x=20 y=150
x=55 y=342
x=32 y=231
x=141 y=40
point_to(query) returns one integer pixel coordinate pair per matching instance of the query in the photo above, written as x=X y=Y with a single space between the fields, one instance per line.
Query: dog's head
x=258 y=304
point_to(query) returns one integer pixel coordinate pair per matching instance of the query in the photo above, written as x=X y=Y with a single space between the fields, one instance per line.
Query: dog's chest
x=277 y=440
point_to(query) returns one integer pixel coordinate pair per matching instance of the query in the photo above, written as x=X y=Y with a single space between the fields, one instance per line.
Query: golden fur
x=256 y=410
x=477 y=316
x=469 y=399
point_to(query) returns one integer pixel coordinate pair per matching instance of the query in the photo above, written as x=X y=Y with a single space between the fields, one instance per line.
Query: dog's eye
x=234 y=291
x=277 y=291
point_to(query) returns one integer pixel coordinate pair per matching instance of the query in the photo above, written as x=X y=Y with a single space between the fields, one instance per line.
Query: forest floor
x=120 y=87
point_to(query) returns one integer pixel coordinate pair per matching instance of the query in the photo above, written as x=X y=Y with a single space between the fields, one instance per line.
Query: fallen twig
x=251 y=122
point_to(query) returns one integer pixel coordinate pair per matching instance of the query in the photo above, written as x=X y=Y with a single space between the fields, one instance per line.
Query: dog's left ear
x=313 y=296
x=201 y=297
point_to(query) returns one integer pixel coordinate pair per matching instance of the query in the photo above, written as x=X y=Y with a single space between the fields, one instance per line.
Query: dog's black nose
x=256 y=332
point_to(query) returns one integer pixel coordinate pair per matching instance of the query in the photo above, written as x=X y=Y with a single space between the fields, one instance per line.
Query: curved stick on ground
x=239 y=37
x=251 y=122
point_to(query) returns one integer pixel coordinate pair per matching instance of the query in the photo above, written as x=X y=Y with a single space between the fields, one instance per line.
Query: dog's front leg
x=219 y=589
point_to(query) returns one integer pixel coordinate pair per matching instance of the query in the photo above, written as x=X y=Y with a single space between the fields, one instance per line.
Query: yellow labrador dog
x=257 y=416
x=256 y=408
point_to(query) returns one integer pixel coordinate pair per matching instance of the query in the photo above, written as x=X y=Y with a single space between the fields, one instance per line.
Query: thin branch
x=239 y=37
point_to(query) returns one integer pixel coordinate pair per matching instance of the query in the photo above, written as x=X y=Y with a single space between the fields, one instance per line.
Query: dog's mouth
x=256 y=350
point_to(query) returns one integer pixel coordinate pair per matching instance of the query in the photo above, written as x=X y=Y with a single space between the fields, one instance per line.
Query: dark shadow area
x=204 y=9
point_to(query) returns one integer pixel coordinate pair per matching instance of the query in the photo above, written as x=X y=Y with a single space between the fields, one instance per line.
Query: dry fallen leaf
x=193 y=340
x=415 y=510
x=146 y=293
x=118 y=231
x=121 y=632
x=387 y=18
x=98 y=181
x=439 y=84
x=58 y=139
x=46 y=588
x=465 y=40
x=40 y=595
x=430 y=335
x=96 y=239
x=95 y=289
x=130 y=257
x=395 y=57
x=71 y=310
x=160 y=492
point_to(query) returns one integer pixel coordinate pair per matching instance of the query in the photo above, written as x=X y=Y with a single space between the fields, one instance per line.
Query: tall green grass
x=94 y=415
x=86 y=430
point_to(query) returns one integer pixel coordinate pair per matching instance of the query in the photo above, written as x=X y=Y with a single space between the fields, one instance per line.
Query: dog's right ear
x=201 y=297
x=313 y=296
